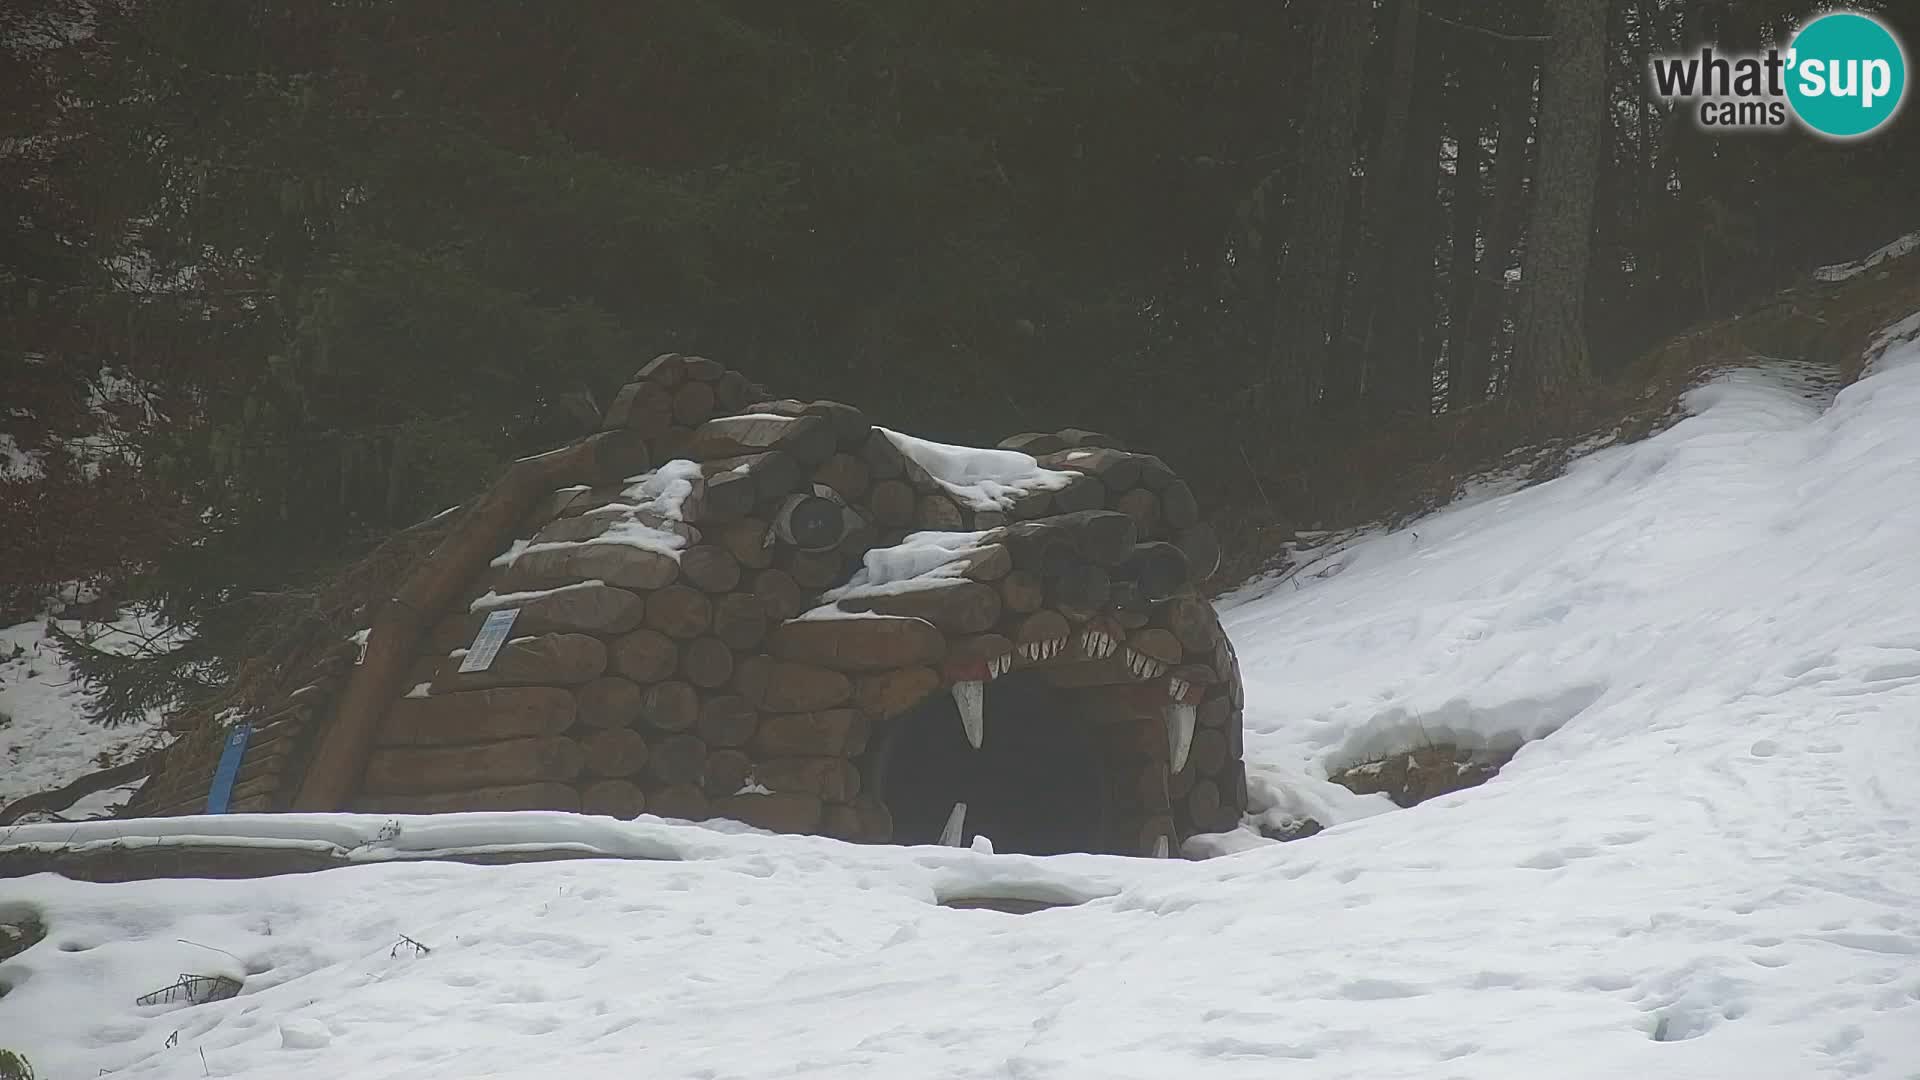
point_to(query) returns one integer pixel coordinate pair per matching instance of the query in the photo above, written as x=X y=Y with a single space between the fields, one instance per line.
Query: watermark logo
x=1844 y=76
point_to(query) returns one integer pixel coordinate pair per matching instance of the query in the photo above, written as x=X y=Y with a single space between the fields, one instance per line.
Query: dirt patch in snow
x=1412 y=777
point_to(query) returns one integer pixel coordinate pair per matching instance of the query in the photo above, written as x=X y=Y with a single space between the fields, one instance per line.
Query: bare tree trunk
x=1550 y=348
x=1505 y=219
x=1465 y=384
x=1306 y=304
x=1380 y=199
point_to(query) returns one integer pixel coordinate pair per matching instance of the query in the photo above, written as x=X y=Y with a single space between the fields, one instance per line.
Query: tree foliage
x=355 y=255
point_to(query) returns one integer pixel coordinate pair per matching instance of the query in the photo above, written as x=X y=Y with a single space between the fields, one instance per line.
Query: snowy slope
x=45 y=738
x=1707 y=865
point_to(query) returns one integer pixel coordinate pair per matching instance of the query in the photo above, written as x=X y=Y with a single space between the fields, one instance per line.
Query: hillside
x=1703 y=861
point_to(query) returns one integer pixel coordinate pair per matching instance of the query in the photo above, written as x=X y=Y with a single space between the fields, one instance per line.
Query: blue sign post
x=222 y=790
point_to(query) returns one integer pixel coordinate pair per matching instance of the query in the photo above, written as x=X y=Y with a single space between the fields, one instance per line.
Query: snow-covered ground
x=1706 y=865
x=45 y=738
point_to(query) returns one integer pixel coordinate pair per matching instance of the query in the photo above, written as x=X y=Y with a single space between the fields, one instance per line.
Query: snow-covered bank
x=45 y=738
x=1706 y=865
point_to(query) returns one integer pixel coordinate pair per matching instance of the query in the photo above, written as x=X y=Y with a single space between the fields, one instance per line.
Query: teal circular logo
x=1846 y=75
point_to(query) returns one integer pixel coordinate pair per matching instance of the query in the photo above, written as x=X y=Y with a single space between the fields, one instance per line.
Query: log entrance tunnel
x=1035 y=786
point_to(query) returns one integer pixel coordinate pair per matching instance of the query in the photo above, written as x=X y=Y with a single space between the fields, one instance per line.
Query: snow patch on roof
x=980 y=479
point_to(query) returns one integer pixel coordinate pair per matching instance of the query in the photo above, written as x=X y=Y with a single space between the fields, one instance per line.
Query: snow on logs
x=733 y=632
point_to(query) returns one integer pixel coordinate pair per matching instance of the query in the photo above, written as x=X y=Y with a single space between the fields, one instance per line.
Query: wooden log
x=1202 y=548
x=781 y=813
x=1177 y=504
x=1129 y=604
x=420 y=771
x=727 y=772
x=667 y=369
x=1082 y=437
x=693 y=403
x=620 y=456
x=740 y=620
x=1032 y=505
x=868 y=644
x=857 y=534
x=1116 y=469
x=608 y=702
x=845 y=474
x=779 y=406
x=620 y=799
x=832 y=779
x=701 y=369
x=1213 y=711
x=723 y=497
x=1082 y=492
x=621 y=565
x=1105 y=536
x=670 y=706
x=1039 y=547
x=671 y=445
x=809 y=522
x=774 y=473
x=1191 y=621
x=1143 y=507
x=732 y=392
x=883 y=458
x=1209 y=750
x=616 y=752
x=645 y=408
x=1203 y=805
x=644 y=656
x=893 y=503
x=549 y=795
x=958 y=607
x=709 y=568
x=1034 y=443
x=678 y=759
x=812 y=571
x=546 y=660
x=479 y=716
x=706 y=662
x=783 y=686
x=810 y=439
x=1154 y=474
x=589 y=524
x=746 y=540
x=1039 y=632
x=1021 y=591
x=887 y=694
x=679 y=611
x=850 y=426
x=779 y=594
x=1080 y=592
x=1159 y=644
x=681 y=802
x=727 y=720
x=938 y=513
x=974 y=652
x=826 y=733
x=587 y=608
x=1160 y=568
x=988 y=519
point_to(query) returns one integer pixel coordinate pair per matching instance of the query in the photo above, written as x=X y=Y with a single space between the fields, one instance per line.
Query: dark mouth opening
x=1036 y=785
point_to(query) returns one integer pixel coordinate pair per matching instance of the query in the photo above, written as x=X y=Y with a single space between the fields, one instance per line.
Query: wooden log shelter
x=770 y=610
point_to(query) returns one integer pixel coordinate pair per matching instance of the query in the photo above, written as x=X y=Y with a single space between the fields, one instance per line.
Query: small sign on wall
x=486 y=644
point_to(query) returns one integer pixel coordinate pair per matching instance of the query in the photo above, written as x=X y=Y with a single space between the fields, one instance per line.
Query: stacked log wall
x=686 y=684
